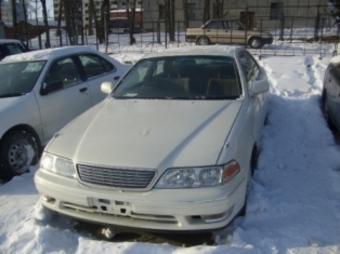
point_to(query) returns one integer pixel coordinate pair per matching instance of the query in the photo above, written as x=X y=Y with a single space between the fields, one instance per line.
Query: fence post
x=282 y=26
x=291 y=30
x=246 y=25
x=166 y=34
x=158 y=32
x=153 y=32
x=178 y=41
x=261 y=29
x=39 y=37
x=317 y=23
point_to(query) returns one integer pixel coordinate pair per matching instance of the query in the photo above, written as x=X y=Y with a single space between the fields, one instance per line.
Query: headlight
x=198 y=176
x=57 y=165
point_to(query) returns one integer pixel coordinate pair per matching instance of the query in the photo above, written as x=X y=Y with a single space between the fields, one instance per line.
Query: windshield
x=19 y=78
x=181 y=77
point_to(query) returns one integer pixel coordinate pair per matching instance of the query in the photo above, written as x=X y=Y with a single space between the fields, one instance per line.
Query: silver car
x=173 y=147
x=43 y=90
x=217 y=31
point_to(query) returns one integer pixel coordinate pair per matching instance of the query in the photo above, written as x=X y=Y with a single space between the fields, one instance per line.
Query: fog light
x=213 y=218
x=46 y=198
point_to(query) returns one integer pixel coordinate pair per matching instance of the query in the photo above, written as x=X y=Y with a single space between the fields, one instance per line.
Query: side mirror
x=107 y=87
x=259 y=86
x=51 y=87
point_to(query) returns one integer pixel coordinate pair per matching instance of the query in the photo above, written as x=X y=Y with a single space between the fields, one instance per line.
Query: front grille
x=115 y=177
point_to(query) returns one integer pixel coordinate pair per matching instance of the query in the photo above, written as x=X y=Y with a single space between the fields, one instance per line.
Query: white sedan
x=172 y=148
x=40 y=92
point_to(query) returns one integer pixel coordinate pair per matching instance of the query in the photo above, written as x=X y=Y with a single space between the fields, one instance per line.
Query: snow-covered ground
x=294 y=206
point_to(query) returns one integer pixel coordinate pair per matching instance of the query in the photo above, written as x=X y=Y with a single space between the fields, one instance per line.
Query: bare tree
x=90 y=18
x=218 y=9
x=206 y=11
x=170 y=18
x=23 y=4
x=47 y=30
x=105 y=20
x=68 y=16
x=59 y=23
x=100 y=35
x=185 y=13
x=14 y=19
x=71 y=20
x=131 y=11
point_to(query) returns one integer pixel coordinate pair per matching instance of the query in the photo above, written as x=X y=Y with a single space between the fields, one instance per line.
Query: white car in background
x=11 y=47
x=40 y=92
x=172 y=148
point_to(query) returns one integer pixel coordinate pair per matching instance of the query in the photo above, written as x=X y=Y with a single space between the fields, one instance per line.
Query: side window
x=250 y=68
x=64 y=70
x=108 y=66
x=255 y=69
x=234 y=26
x=245 y=65
x=93 y=65
x=214 y=25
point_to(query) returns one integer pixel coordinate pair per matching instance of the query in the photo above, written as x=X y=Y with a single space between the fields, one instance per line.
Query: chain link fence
x=294 y=28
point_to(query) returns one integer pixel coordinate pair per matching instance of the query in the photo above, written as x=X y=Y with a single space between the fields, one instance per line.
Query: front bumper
x=158 y=209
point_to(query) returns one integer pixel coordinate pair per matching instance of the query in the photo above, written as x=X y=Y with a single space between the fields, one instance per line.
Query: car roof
x=212 y=50
x=46 y=54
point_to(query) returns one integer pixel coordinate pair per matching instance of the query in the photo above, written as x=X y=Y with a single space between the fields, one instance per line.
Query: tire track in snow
x=315 y=70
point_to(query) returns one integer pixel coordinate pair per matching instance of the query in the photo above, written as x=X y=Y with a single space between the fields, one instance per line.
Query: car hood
x=148 y=133
x=6 y=102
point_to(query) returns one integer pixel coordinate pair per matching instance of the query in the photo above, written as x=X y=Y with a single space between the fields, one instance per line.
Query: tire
x=15 y=154
x=255 y=42
x=325 y=110
x=253 y=166
x=203 y=41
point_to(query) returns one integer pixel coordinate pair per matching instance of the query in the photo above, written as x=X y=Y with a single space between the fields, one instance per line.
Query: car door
x=97 y=70
x=215 y=31
x=236 y=32
x=257 y=105
x=63 y=95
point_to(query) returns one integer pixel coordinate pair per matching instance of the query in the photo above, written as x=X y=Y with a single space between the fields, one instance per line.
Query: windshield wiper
x=11 y=95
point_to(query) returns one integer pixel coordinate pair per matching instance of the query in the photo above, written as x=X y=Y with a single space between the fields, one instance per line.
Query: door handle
x=116 y=78
x=84 y=89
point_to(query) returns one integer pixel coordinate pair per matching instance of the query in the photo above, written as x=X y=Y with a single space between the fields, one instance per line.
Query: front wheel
x=255 y=43
x=18 y=150
x=203 y=41
x=253 y=166
x=325 y=110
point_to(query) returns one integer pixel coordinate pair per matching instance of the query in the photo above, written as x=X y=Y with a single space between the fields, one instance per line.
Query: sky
x=293 y=207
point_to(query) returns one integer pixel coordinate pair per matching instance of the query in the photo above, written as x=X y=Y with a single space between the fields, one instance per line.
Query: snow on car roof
x=8 y=41
x=45 y=54
x=215 y=50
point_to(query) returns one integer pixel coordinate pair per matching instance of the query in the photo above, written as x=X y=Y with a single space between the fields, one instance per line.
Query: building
x=256 y=13
x=84 y=8
x=6 y=12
